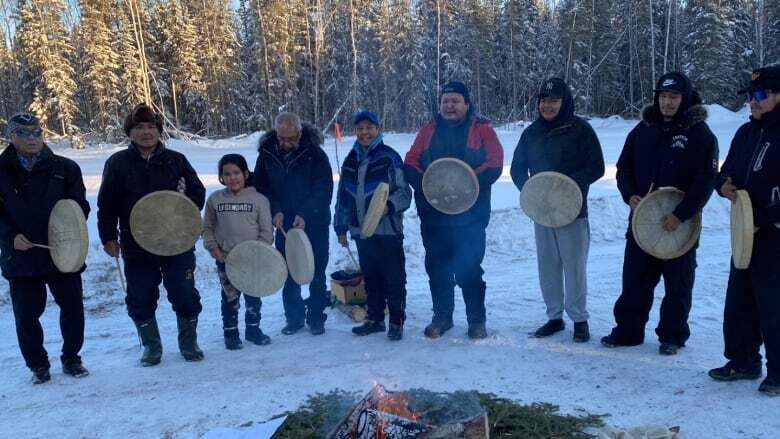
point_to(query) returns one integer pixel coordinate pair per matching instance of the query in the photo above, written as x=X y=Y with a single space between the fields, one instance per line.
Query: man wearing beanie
x=32 y=180
x=752 y=300
x=671 y=146
x=455 y=244
x=561 y=142
x=382 y=259
x=147 y=166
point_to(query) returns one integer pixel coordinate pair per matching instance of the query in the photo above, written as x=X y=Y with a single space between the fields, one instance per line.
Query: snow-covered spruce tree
x=9 y=92
x=100 y=63
x=248 y=95
x=127 y=45
x=44 y=52
x=707 y=50
x=216 y=54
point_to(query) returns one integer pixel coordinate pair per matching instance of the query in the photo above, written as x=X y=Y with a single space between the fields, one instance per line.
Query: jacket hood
x=310 y=136
x=567 y=105
x=693 y=115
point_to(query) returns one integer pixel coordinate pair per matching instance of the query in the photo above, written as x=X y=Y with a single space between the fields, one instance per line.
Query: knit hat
x=19 y=121
x=456 y=87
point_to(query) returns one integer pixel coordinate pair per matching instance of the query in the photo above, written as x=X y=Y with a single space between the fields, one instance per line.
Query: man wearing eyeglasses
x=752 y=299
x=32 y=180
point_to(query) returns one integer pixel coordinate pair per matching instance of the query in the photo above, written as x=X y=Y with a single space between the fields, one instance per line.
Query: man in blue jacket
x=671 y=146
x=294 y=173
x=752 y=309
x=382 y=260
x=32 y=180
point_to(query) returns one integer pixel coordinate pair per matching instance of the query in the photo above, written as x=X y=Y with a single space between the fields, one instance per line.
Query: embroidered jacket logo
x=679 y=141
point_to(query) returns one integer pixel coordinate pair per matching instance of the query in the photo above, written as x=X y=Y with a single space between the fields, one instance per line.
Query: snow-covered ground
x=634 y=386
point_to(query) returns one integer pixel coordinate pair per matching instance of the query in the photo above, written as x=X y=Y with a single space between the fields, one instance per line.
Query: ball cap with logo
x=553 y=88
x=765 y=78
x=672 y=82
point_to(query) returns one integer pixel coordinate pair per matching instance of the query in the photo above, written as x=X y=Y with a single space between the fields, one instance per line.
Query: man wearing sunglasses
x=32 y=180
x=752 y=300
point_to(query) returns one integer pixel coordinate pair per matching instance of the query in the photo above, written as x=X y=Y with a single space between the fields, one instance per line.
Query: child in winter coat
x=233 y=215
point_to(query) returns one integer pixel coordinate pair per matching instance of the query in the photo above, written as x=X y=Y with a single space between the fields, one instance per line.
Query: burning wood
x=395 y=415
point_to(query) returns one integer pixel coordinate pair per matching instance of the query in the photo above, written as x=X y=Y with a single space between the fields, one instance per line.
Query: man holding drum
x=671 y=146
x=752 y=299
x=369 y=165
x=32 y=180
x=147 y=166
x=561 y=142
x=294 y=173
x=455 y=243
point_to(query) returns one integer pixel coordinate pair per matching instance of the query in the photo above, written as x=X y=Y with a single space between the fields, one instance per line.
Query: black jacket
x=127 y=177
x=301 y=185
x=682 y=154
x=26 y=201
x=753 y=163
x=567 y=145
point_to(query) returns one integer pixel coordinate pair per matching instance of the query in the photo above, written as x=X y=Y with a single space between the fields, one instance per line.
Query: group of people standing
x=292 y=187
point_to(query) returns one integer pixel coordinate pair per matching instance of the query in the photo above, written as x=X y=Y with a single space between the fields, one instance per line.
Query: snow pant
x=144 y=274
x=295 y=308
x=641 y=274
x=28 y=296
x=752 y=310
x=453 y=255
x=562 y=253
x=383 y=264
x=231 y=303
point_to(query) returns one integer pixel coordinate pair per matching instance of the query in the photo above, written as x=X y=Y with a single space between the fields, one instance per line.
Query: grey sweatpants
x=562 y=255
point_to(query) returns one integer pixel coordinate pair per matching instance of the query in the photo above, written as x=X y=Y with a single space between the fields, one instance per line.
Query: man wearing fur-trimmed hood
x=295 y=174
x=671 y=146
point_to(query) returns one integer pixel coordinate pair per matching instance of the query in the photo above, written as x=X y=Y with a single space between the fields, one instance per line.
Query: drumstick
x=121 y=275
x=651 y=189
x=41 y=246
x=351 y=256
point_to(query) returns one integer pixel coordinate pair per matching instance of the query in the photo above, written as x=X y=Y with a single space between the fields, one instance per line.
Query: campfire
x=383 y=414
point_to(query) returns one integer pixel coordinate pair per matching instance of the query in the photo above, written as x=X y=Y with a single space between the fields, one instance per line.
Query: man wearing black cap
x=455 y=244
x=561 y=142
x=147 y=166
x=382 y=259
x=32 y=180
x=671 y=146
x=752 y=300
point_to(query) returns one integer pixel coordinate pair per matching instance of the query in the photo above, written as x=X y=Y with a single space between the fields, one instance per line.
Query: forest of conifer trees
x=221 y=67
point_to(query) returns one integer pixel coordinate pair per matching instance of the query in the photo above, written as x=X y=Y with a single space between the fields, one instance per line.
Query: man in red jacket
x=455 y=244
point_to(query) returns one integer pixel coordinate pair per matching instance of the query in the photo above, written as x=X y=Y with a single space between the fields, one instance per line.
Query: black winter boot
x=232 y=340
x=369 y=327
x=437 y=328
x=256 y=335
x=770 y=386
x=74 y=368
x=188 y=338
x=734 y=372
x=581 y=332
x=396 y=332
x=477 y=331
x=40 y=375
x=550 y=328
x=149 y=334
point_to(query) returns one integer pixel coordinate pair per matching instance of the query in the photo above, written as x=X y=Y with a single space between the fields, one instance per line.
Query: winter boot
x=396 y=332
x=232 y=339
x=581 y=332
x=734 y=372
x=150 y=339
x=40 y=375
x=188 y=338
x=292 y=327
x=668 y=349
x=317 y=324
x=256 y=336
x=477 y=331
x=369 y=327
x=550 y=328
x=770 y=386
x=438 y=327
x=74 y=368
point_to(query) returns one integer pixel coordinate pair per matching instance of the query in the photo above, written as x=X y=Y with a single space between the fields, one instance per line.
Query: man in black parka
x=561 y=142
x=32 y=180
x=671 y=146
x=147 y=166
x=752 y=310
x=295 y=174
